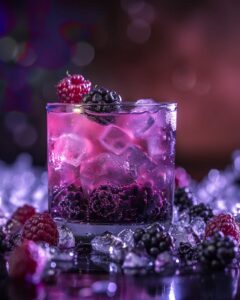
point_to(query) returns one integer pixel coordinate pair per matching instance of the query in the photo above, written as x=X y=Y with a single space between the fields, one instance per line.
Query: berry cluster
x=224 y=223
x=217 y=252
x=23 y=213
x=154 y=240
x=41 y=227
x=70 y=203
x=101 y=100
x=183 y=199
x=187 y=253
x=130 y=203
x=201 y=210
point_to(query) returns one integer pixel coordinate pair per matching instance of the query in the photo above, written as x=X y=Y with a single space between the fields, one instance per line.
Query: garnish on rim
x=72 y=88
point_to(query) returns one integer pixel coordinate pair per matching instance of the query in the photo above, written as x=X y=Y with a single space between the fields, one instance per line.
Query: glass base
x=84 y=229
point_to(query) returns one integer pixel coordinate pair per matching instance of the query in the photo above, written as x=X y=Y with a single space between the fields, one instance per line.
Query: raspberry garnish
x=72 y=88
x=23 y=213
x=41 y=228
x=27 y=262
x=224 y=223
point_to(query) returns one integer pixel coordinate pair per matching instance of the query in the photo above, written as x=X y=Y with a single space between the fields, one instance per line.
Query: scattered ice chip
x=115 y=139
x=165 y=262
x=126 y=235
x=66 y=237
x=134 y=260
x=69 y=148
x=181 y=234
x=103 y=243
x=198 y=227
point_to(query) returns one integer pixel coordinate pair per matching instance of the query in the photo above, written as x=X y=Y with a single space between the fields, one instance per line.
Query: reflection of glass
x=111 y=168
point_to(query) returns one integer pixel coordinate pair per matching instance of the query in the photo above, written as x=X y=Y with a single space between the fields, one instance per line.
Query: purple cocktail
x=111 y=168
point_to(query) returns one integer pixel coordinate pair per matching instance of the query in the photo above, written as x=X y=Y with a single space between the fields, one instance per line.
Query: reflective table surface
x=90 y=281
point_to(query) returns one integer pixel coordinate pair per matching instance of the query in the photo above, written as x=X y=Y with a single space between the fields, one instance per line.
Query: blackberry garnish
x=70 y=203
x=183 y=199
x=153 y=241
x=201 y=210
x=101 y=100
x=217 y=252
x=187 y=253
x=104 y=204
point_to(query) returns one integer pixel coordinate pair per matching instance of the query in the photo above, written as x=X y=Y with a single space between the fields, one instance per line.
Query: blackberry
x=70 y=203
x=153 y=241
x=217 y=252
x=187 y=253
x=101 y=100
x=201 y=210
x=104 y=204
x=183 y=199
x=6 y=244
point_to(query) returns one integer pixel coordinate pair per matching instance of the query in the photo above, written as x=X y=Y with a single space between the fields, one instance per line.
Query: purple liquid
x=111 y=168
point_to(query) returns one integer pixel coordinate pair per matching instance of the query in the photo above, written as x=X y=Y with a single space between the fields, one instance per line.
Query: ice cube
x=198 y=227
x=109 y=168
x=115 y=139
x=143 y=105
x=136 y=261
x=102 y=243
x=126 y=235
x=69 y=148
x=66 y=237
x=181 y=234
x=165 y=262
x=137 y=162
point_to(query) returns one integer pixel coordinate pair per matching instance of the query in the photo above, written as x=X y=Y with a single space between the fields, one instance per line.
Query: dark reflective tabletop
x=93 y=282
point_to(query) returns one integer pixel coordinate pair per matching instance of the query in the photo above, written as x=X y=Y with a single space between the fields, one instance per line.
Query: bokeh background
x=186 y=51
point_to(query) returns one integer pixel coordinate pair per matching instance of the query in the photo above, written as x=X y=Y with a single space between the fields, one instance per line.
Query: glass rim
x=51 y=106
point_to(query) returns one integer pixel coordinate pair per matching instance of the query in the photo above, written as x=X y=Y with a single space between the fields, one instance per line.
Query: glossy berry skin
x=41 y=228
x=153 y=240
x=72 y=88
x=183 y=199
x=101 y=100
x=23 y=213
x=224 y=223
x=201 y=210
x=217 y=252
x=27 y=262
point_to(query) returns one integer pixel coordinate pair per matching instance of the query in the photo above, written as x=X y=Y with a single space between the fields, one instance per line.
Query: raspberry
x=224 y=223
x=27 y=262
x=217 y=252
x=70 y=203
x=183 y=199
x=41 y=228
x=72 y=88
x=101 y=100
x=23 y=213
x=201 y=210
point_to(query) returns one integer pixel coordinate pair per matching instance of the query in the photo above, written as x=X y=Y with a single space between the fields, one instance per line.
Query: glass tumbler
x=109 y=171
